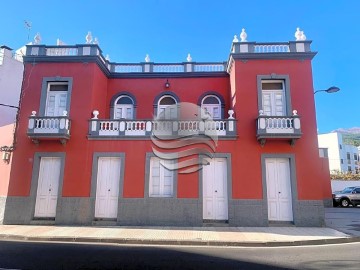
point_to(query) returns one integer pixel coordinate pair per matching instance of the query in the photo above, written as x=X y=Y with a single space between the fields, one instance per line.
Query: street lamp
x=332 y=89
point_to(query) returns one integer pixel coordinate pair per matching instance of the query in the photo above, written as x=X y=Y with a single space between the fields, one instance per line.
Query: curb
x=180 y=242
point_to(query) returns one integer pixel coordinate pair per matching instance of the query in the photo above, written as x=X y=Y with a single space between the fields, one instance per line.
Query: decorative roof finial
x=243 y=35
x=235 y=39
x=96 y=41
x=59 y=42
x=37 y=38
x=88 y=38
x=303 y=37
x=297 y=34
x=147 y=58
x=189 y=58
x=107 y=57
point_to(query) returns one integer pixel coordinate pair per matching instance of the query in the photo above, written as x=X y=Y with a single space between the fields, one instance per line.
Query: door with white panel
x=56 y=100
x=123 y=112
x=48 y=186
x=213 y=110
x=107 y=187
x=273 y=103
x=273 y=98
x=278 y=185
x=215 y=194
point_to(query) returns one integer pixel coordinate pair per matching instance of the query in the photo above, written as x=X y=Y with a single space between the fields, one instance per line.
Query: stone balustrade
x=49 y=127
x=271 y=47
x=84 y=50
x=122 y=128
x=278 y=127
x=237 y=47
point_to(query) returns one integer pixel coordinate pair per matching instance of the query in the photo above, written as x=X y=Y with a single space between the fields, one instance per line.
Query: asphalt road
x=346 y=220
x=43 y=256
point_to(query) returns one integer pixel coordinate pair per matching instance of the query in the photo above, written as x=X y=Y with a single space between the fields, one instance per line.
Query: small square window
x=53 y=86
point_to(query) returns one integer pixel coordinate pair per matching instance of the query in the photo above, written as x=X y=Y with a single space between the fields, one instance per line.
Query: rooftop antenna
x=28 y=26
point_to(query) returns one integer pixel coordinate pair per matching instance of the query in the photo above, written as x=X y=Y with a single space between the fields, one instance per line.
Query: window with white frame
x=164 y=110
x=273 y=97
x=211 y=104
x=56 y=98
x=161 y=182
x=124 y=108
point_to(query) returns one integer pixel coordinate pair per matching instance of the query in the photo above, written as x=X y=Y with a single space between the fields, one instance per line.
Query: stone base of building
x=157 y=212
x=248 y=213
x=309 y=213
x=328 y=203
x=2 y=208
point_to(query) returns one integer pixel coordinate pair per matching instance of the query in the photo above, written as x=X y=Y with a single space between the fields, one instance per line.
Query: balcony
x=41 y=128
x=126 y=129
x=278 y=127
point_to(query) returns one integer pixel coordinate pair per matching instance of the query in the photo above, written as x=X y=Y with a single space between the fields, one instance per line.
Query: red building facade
x=85 y=156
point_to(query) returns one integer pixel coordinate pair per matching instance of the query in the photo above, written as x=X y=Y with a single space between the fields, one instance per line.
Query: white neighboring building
x=342 y=157
x=11 y=74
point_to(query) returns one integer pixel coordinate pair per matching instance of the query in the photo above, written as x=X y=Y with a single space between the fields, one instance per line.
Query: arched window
x=211 y=104
x=124 y=107
x=165 y=102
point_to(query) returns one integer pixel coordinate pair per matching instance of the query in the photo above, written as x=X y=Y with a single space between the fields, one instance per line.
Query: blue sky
x=167 y=30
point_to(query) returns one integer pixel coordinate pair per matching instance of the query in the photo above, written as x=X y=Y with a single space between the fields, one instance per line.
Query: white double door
x=48 y=187
x=56 y=103
x=215 y=197
x=278 y=185
x=107 y=187
x=273 y=102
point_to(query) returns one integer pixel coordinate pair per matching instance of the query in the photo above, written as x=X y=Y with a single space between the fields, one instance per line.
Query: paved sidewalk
x=212 y=236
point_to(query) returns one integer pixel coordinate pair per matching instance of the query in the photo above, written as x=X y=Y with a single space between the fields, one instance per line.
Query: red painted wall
x=92 y=90
x=248 y=151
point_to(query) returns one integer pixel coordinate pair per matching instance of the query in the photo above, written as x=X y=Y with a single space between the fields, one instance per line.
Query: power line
x=11 y=106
